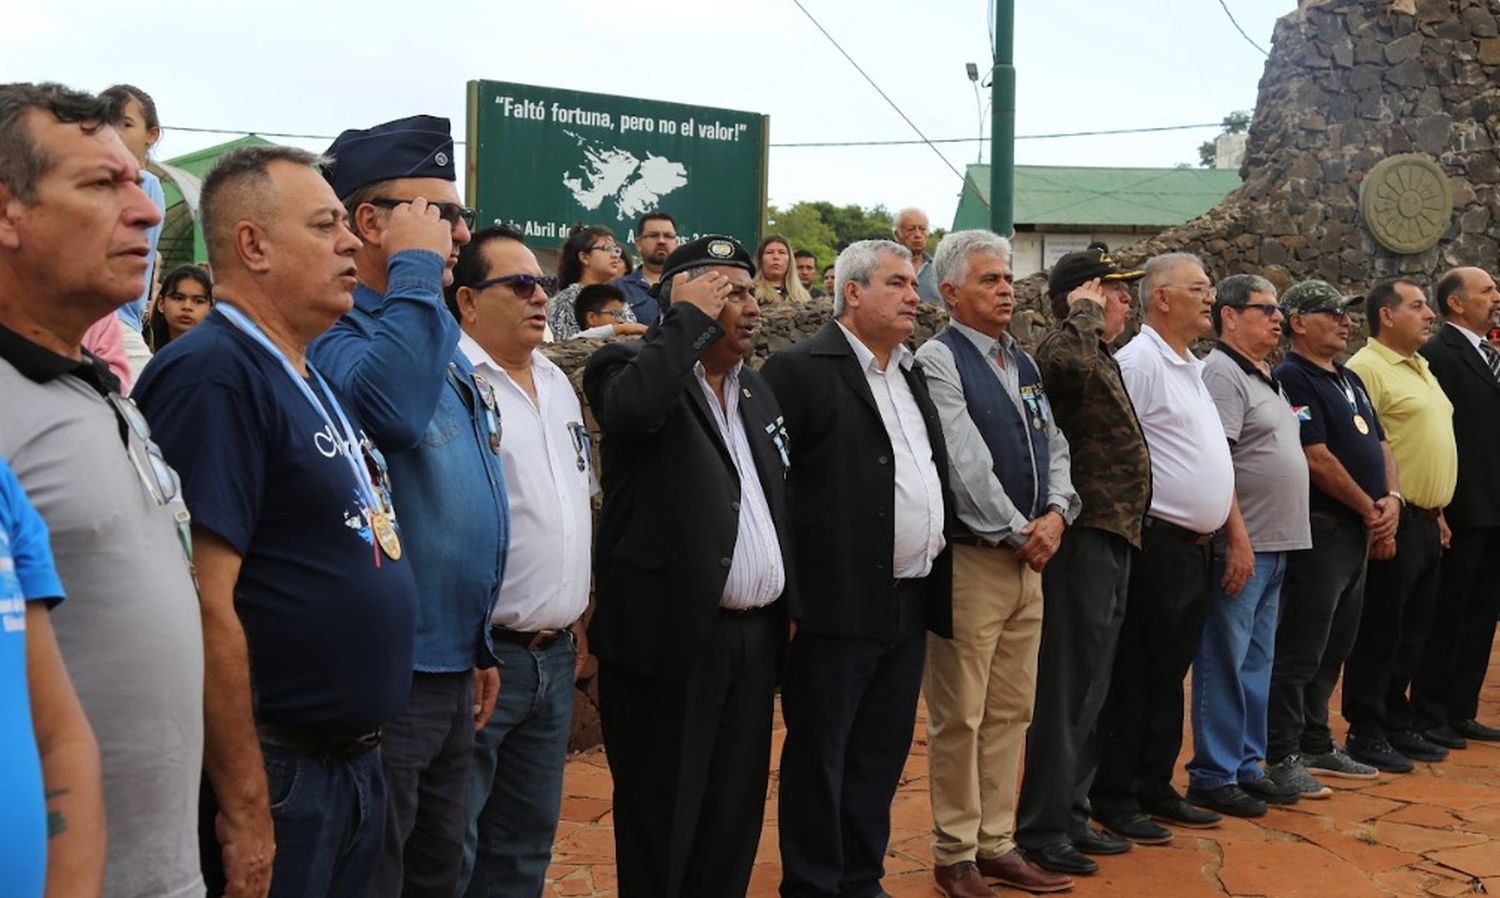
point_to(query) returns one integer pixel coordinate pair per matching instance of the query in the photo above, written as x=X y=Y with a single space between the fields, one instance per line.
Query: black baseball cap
x=1075 y=269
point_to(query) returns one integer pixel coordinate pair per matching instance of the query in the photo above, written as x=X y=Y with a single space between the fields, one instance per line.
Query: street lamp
x=973 y=73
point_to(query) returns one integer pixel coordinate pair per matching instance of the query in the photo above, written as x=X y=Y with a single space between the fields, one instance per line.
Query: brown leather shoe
x=1011 y=869
x=961 y=880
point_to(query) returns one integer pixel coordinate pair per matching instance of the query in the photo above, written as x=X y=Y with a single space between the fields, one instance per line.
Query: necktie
x=1491 y=358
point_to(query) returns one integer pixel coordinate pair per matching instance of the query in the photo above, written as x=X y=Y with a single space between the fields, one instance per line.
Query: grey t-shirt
x=130 y=633
x=1270 y=471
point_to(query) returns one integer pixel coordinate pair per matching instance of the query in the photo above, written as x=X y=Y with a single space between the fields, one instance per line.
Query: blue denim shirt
x=638 y=295
x=396 y=359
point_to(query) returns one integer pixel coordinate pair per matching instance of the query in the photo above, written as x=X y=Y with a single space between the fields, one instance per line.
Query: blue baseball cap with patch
x=417 y=147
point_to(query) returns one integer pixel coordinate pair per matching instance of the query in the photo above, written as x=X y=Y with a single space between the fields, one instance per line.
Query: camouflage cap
x=1315 y=296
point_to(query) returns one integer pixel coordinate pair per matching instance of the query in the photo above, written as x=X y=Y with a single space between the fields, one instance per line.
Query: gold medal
x=385 y=533
x=1360 y=425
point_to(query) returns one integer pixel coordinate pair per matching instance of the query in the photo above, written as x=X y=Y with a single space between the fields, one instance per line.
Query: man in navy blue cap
x=395 y=356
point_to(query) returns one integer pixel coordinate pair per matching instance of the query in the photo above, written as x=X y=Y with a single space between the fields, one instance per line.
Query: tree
x=825 y=229
x=1236 y=122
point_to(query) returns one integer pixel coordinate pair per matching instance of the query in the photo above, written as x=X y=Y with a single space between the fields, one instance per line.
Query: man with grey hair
x=869 y=453
x=308 y=600
x=911 y=231
x=1192 y=476
x=1013 y=498
x=73 y=249
x=1267 y=520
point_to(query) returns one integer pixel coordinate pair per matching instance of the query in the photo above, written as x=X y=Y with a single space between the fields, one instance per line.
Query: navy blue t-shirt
x=1323 y=408
x=329 y=619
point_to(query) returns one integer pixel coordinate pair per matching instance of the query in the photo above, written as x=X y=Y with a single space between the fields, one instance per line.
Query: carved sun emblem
x=1406 y=202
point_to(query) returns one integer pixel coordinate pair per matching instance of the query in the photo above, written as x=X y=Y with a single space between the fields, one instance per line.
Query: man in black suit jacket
x=690 y=577
x=867 y=495
x=1445 y=690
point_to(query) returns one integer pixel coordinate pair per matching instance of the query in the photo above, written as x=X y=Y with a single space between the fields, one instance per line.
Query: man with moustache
x=395 y=356
x=73 y=249
x=1402 y=583
x=869 y=503
x=1014 y=498
x=515 y=782
x=693 y=580
x=1445 y=690
x=1192 y=491
x=308 y=601
x=1083 y=588
x=655 y=239
x=1232 y=669
x=1353 y=503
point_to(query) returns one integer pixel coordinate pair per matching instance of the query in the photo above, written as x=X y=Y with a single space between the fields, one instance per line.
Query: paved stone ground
x=1434 y=832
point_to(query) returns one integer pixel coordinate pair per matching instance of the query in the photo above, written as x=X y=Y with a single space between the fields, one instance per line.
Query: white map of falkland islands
x=633 y=184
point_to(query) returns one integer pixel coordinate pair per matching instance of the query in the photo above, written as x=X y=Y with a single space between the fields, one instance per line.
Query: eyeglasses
x=658 y=235
x=616 y=314
x=189 y=297
x=157 y=477
x=1267 y=309
x=612 y=248
x=523 y=285
x=452 y=213
x=1336 y=314
x=1200 y=291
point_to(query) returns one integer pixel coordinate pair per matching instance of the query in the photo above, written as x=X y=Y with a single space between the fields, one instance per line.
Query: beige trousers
x=980 y=686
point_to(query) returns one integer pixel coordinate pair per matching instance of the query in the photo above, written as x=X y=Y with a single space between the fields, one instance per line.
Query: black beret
x=416 y=147
x=1076 y=269
x=713 y=249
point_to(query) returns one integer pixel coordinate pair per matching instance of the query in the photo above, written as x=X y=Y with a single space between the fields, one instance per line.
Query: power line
x=795 y=144
x=883 y=96
x=1241 y=30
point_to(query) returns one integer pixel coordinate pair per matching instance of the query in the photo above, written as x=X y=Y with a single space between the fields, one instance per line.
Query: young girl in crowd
x=187 y=293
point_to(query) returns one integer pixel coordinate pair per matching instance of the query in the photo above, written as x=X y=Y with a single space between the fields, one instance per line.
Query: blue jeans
x=1232 y=676
x=329 y=815
x=515 y=785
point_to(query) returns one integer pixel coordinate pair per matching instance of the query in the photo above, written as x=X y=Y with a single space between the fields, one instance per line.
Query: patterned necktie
x=1491 y=358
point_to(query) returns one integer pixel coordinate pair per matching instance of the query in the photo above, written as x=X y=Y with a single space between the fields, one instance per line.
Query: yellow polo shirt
x=1418 y=422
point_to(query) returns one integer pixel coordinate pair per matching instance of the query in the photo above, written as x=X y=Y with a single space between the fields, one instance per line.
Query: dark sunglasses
x=1265 y=308
x=523 y=285
x=452 y=213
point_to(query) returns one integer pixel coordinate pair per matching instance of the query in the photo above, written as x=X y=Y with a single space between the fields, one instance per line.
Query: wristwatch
x=1397 y=496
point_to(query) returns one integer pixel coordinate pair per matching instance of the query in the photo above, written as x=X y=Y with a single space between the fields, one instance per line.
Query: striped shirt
x=756 y=574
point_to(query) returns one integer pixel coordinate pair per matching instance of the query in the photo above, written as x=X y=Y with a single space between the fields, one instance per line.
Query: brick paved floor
x=1434 y=832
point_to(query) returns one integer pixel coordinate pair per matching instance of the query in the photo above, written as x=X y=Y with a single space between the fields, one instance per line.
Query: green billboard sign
x=544 y=159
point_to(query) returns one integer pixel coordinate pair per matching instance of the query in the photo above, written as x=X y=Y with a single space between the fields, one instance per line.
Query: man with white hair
x=868 y=453
x=911 y=231
x=1014 y=497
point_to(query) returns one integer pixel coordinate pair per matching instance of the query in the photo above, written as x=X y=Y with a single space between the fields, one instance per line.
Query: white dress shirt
x=549 y=477
x=919 y=491
x=756 y=574
x=1192 y=474
x=1473 y=339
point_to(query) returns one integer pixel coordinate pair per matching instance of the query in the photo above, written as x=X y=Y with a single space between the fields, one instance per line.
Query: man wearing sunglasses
x=73 y=249
x=1353 y=504
x=395 y=356
x=1232 y=669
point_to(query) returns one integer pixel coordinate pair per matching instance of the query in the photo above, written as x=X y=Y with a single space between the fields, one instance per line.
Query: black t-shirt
x=328 y=617
x=1321 y=401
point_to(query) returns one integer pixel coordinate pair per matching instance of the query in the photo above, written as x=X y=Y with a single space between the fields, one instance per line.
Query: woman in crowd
x=590 y=256
x=777 y=283
x=187 y=293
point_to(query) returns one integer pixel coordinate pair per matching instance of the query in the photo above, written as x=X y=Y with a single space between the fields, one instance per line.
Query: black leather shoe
x=1179 y=813
x=1415 y=747
x=1269 y=791
x=1097 y=841
x=1062 y=857
x=1473 y=729
x=1136 y=827
x=1447 y=737
x=1230 y=799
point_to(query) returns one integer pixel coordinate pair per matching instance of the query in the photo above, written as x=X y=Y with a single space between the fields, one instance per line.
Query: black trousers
x=1320 y=609
x=426 y=753
x=1399 y=597
x=1083 y=595
x=1451 y=673
x=850 y=706
x=690 y=761
x=1140 y=726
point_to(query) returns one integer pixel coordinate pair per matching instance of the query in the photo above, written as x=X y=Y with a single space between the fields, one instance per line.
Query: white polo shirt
x=549 y=477
x=1192 y=475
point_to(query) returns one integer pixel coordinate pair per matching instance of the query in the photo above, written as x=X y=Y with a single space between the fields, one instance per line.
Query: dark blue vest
x=1018 y=446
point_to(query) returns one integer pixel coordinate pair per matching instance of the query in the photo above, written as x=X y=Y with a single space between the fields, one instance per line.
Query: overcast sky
x=317 y=68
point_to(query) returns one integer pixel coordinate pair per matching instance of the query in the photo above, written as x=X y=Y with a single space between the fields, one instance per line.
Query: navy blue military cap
x=417 y=147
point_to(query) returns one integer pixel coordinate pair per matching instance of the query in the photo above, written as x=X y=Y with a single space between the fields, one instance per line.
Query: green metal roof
x=1062 y=195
